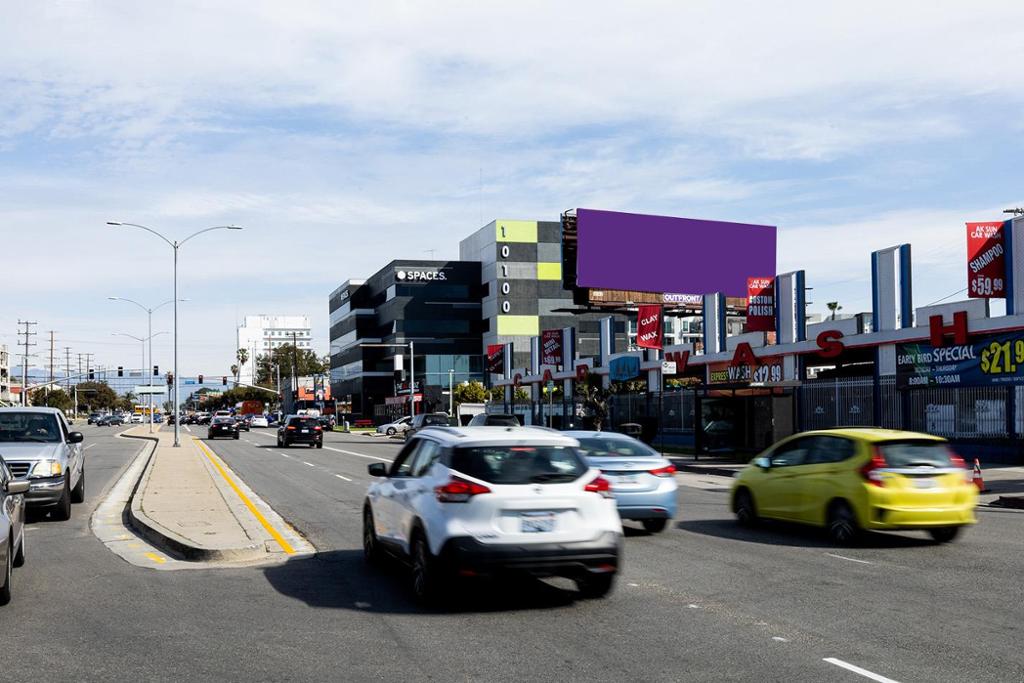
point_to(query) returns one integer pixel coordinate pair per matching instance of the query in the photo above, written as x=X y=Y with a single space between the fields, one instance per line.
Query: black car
x=300 y=429
x=222 y=426
x=427 y=420
x=109 y=420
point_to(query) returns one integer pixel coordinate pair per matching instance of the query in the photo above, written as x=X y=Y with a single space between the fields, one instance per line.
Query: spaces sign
x=993 y=360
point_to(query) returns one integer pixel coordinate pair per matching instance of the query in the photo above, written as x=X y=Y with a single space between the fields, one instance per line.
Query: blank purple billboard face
x=635 y=252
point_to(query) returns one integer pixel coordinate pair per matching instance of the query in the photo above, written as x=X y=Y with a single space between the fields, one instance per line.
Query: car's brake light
x=957 y=461
x=871 y=471
x=291 y=428
x=666 y=471
x=459 y=490
x=317 y=428
x=600 y=486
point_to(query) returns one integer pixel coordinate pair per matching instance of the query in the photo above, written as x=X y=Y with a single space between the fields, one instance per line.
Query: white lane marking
x=780 y=639
x=284 y=455
x=88 y=447
x=339 y=476
x=187 y=429
x=857 y=670
x=308 y=463
x=358 y=455
x=848 y=559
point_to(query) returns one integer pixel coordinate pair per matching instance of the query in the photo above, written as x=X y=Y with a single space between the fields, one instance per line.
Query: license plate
x=924 y=483
x=305 y=431
x=621 y=479
x=536 y=522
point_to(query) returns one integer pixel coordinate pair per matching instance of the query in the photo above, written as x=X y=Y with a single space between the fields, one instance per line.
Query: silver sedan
x=12 y=526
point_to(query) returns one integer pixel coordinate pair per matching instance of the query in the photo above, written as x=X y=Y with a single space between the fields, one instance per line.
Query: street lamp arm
x=216 y=227
x=131 y=301
x=143 y=227
x=169 y=301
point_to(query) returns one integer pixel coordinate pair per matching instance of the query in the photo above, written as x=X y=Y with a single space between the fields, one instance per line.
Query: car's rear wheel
x=596 y=585
x=391 y=431
x=842 y=523
x=743 y=506
x=655 y=526
x=371 y=548
x=78 y=493
x=62 y=511
x=427 y=583
x=236 y=436
x=19 y=558
x=5 y=592
x=944 y=534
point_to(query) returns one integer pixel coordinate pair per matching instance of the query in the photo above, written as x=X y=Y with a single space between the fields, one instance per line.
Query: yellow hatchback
x=847 y=480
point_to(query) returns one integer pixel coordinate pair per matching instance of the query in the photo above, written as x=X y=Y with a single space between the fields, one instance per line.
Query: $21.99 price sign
x=1002 y=357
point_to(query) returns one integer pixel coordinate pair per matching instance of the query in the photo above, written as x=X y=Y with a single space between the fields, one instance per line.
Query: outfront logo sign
x=420 y=275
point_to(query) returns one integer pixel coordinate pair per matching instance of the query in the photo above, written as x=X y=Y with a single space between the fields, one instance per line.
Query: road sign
x=190 y=381
x=668 y=367
x=551 y=385
x=144 y=390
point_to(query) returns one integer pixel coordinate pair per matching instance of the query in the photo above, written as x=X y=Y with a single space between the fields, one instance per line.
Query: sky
x=343 y=135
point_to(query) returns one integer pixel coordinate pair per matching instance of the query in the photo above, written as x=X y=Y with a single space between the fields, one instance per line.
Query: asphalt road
x=703 y=601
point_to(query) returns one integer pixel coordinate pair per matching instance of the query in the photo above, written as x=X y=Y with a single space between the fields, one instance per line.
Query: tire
x=596 y=586
x=19 y=557
x=391 y=431
x=78 y=493
x=313 y=445
x=5 y=592
x=743 y=506
x=279 y=442
x=427 y=582
x=235 y=437
x=372 y=552
x=944 y=534
x=320 y=444
x=62 y=512
x=842 y=523
x=655 y=526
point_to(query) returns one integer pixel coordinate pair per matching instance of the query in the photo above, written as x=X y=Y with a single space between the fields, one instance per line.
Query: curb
x=167 y=540
x=707 y=469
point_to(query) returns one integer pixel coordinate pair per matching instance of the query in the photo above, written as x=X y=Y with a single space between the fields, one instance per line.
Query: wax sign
x=760 y=304
x=496 y=359
x=648 y=327
x=551 y=347
x=986 y=261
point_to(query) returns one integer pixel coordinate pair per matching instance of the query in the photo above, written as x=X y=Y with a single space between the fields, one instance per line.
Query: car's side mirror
x=15 y=486
x=377 y=469
x=75 y=437
x=763 y=463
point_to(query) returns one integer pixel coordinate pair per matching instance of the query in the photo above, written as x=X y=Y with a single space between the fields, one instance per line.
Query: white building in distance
x=261 y=334
x=5 y=376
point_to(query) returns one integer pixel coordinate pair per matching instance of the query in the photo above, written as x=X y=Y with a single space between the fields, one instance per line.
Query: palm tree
x=234 y=371
x=834 y=307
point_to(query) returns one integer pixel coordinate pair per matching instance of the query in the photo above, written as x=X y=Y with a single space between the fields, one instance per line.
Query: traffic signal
x=156 y=370
x=120 y=371
x=200 y=379
x=170 y=379
x=92 y=375
x=224 y=380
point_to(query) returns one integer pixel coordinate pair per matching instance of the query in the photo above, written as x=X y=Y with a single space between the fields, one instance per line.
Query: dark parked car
x=109 y=420
x=93 y=417
x=222 y=426
x=427 y=420
x=494 y=420
x=300 y=429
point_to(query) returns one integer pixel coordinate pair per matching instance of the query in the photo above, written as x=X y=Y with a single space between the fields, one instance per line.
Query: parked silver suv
x=38 y=446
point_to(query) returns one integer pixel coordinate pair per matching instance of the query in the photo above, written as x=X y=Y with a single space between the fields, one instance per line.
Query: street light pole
x=175 y=245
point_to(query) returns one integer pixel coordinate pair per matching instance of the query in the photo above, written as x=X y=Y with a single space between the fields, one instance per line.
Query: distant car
x=468 y=501
x=136 y=419
x=222 y=413
x=12 y=526
x=396 y=427
x=93 y=417
x=258 y=421
x=40 y=449
x=300 y=429
x=427 y=420
x=222 y=426
x=848 y=480
x=494 y=420
x=242 y=422
x=203 y=418
x=643 y=482
x=109 y=421
x=158 y=418
x=170 y=419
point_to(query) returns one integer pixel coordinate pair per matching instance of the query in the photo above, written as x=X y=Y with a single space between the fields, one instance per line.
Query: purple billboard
x=636 y=252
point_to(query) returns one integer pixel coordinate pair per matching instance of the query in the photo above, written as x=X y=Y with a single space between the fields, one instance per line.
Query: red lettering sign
x=986 y=260
x=680 y=358
x=760 y=304
x=648 y=327
x=939 y=331
x=496 y=359
x=828 y=342
x=547 y=376
x=744 y=355
x=551 y=347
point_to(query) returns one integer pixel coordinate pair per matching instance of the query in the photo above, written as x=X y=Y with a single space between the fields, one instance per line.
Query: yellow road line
x=281 y=540
x=156 y=558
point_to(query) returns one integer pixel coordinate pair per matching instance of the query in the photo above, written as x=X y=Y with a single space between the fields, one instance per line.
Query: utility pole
x=24 y=358
x=88 y=361
x=67 y=366
x=51 y=357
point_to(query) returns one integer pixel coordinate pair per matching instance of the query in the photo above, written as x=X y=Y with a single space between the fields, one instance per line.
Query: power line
x=939 y=301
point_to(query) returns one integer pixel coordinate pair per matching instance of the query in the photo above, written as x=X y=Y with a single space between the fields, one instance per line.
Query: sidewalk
x=190 y=503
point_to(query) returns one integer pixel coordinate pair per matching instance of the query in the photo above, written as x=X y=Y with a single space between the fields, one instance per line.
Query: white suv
x=476 y=501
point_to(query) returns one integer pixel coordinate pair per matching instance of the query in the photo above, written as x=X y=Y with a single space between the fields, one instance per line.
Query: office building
x=261 y=334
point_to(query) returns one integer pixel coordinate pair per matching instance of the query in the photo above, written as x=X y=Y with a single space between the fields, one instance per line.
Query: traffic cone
x=976 y=478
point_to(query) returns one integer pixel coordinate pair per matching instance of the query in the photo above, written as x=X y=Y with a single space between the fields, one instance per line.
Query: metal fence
x=672 y=409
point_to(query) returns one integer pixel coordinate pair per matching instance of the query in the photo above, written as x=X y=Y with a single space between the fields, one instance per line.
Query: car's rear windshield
x=223 y=420
x=501 y=421
x=435 y=420
x=919 y=453
x=18 y=427
x=519 y=464
x=603 y=447
x=304 y=422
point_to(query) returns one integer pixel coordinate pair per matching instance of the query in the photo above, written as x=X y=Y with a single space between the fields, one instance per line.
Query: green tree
x=834 y=307
x=52 y=398
x=286 y=357
x=470 y=392
x=235 y=370
x=96 y=396
x=595 y=400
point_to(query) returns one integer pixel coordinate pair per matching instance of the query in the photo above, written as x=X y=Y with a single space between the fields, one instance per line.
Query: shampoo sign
x=986 y=261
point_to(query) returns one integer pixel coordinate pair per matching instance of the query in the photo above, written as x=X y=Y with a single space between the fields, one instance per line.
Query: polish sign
x=760 y=304
x=648 y=327
x=986 y=261
x=496 y=359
